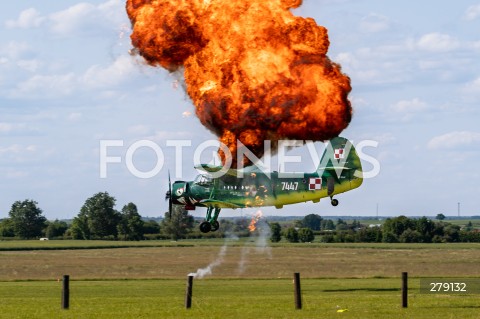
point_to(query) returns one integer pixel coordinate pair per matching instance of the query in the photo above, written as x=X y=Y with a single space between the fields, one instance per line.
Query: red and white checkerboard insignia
x=339 y=153
x=315 y=184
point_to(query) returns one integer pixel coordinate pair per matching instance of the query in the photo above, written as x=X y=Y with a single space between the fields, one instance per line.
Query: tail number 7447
x=289 y=186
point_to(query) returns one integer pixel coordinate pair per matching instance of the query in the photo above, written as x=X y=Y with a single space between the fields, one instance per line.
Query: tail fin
x=340 y=156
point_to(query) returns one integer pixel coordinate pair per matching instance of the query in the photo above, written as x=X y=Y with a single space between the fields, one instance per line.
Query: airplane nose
x=179 y=192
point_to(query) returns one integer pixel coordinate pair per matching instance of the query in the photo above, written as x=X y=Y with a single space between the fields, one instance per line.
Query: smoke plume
x=253 y=70
x=207 y=271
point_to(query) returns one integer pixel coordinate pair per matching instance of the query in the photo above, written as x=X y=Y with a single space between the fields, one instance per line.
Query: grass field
x=322 y=298
x=240 y=260
x=148 y=281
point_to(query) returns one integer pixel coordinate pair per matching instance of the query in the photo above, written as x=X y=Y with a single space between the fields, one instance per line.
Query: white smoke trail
x=261 y=242
x=207 y=271
x=242 y=264
x=202 y=272
x=261 y=245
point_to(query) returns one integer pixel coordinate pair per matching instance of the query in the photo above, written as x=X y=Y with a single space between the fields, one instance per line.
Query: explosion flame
x=253 y=223
x=253 y=70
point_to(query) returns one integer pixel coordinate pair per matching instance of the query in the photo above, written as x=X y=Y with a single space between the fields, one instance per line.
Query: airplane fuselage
x=339 y=171
x=258 y=189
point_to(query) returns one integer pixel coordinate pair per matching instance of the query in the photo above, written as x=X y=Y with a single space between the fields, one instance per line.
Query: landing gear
x=211 y=223
x=334 y=202
x=205 y=227
x=215 y=225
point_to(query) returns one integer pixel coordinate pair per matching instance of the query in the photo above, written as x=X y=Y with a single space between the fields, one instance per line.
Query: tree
x=327 y=224
x=341 y=225
x=410 y=236
x=177 y=225
x=452 y=233
x=305 y=235
x=469 y=226
x=291 y=235
x=312 y=221
x=369 y=235
x=327 y=238
x=79 y=228
x=425 y=227
x=241 y=225
x=27 y=219
x=151 y=227
x=398 y=225
x=440 y=217
x=55 y=229
x=131 y=225
x=276 y=232
x=101 y=217
x=6 y=228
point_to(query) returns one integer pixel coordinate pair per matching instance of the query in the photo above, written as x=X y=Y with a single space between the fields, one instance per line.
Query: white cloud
x=46 y=86
x=472 y=13
x=29 y=18
x=405 y=110
x=161 y=136
x=16 y=174
x=382 y=138
x=17 y=149
x=374 y=23
x=120 y=70
x=86 y=18
x=66 y=21
x=437 y=42
x=29 y=65
x=454 y=140
x=15 y=50
x=140 y=129
x=410 y=106
x=100 y=77
x=81 y=18
x=472 y=87
x=6 y=128
x=75 y=116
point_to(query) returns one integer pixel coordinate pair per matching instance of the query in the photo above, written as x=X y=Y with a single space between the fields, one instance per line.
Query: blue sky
x=67 y=82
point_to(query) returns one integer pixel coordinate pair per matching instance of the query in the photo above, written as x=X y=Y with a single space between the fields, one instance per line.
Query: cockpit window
x=203 y=180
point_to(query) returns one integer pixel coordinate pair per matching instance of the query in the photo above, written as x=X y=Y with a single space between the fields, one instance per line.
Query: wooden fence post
x=297 y=291
x=188 y=293
x=405 y=289
x=66 y=292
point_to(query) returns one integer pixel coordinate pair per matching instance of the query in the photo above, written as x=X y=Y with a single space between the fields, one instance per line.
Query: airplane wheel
x=334 y=202
x=205 y=227
x=215 y=226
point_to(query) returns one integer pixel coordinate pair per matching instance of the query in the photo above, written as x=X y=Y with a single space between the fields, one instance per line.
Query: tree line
x=394 y=230
x=98 y=219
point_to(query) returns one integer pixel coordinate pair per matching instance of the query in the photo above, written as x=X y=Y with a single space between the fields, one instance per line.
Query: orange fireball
x=253 y=70
x=253 y=223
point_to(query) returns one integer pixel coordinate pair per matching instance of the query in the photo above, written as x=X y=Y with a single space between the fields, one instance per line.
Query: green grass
x=29 y=245
x=364 y=298
x=243 y=260
x=17 y=245
x=147 y=279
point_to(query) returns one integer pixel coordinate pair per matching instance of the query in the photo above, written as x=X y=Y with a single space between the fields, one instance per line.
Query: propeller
x=168 y=195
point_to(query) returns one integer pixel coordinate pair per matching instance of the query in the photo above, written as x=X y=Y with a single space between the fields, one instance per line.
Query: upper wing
x=214 y=169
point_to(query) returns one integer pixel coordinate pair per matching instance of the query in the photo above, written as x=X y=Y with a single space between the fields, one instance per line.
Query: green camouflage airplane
x=339 y=171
